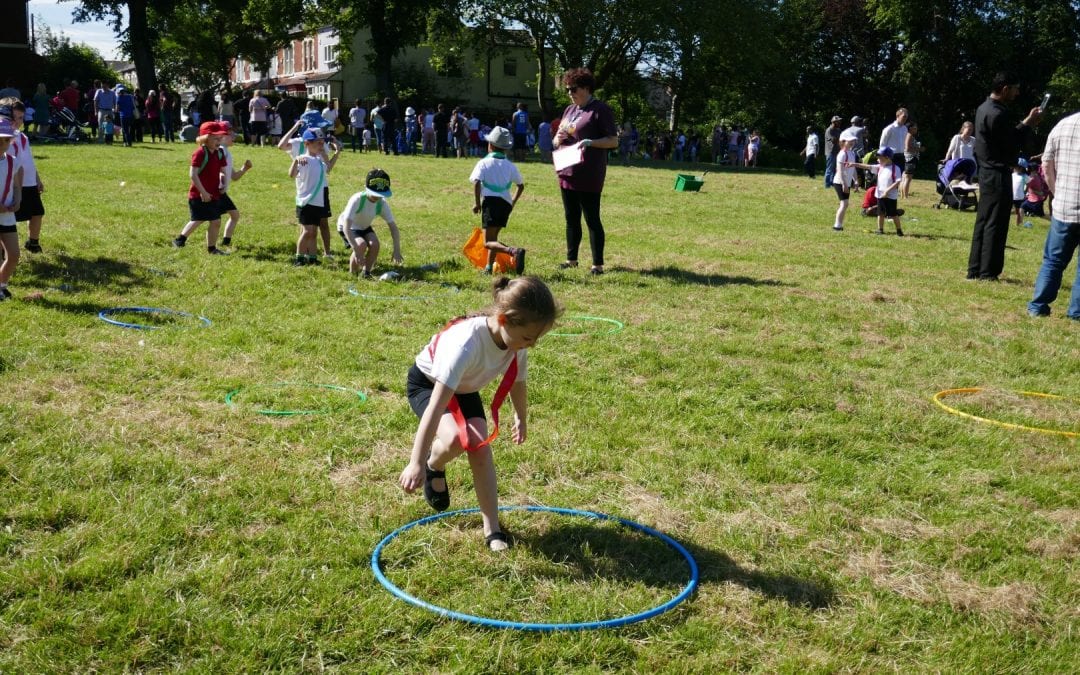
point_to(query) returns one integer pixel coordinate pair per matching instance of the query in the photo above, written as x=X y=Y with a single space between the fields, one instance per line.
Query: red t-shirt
x=70 y=95
x=210 y=175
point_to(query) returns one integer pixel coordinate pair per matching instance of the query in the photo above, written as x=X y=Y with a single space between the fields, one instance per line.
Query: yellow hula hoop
x=1008 y=425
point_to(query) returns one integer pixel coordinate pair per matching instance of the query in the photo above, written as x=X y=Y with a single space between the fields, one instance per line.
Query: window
x=287 y=60
x=510 y=66
x=240 y=68
x=309 y=55
x=452 y=65
x=329 y=55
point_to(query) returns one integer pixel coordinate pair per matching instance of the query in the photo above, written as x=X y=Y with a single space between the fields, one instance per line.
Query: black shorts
x=418 y=388
x=309 y=215
x=842 y=194
x=225 y=204
x=31 y=204
x=521 y=141
x=888 y=206
x=201 y=210
x=1033 y=208
x=1017 y=203
x=357 y=234
x=910 y=164
x=495 y=212
x=898 y=160
x=9 y=229
x=326 y=201
x=258 y=128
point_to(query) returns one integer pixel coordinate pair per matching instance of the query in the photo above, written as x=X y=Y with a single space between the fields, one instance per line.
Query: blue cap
x=885 y=151
x=313 y=135
x=313 y=118
x=1022 y=163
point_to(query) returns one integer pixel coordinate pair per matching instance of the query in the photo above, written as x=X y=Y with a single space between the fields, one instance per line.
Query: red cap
x=211 y=129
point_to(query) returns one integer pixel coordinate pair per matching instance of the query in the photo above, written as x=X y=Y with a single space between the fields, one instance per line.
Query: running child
x=844 y=179
x=10 y=200
x=354 y=223
x=888 y=180
x=204 y=195
x=32 y=209
x=444 y=386
x=492 y=177
x=228 y=175
x=312 y=194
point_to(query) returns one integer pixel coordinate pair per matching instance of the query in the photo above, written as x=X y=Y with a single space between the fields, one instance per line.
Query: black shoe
x=33 y=246
x=519 y=260
x=216 y=251
x=568 y=264
x=5 y=294
x=496 y=536
x=440 y=501
x=596 y=271
x=179 y=242
x=299 y=262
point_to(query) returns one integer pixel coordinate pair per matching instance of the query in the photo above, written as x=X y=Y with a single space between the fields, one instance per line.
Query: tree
x=607 y=36
x=65 y=61
x=394 y=24
x=138 y=38
x=200 y=39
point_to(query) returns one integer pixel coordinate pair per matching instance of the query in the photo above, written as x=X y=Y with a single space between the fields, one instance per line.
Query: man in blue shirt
x=521 y=129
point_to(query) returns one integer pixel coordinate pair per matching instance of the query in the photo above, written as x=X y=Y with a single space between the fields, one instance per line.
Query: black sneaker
x=367 y=275
x=179 y=242
x=216 y=251
x=519 y=261
x=33 y=246
x=299 y=262
x=5 y=294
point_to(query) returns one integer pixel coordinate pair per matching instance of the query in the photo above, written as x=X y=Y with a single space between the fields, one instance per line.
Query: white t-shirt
x=958 y=147
x=226 y=173
x=258 y=107
x=358 y=117
x=20 y=150
x=8 y=169
x=496 y=176
x=894 y=136
x=811 y=144
x=845 y=175
x=886 y=176
x=1019 y=185
x=360 y=212
x=467 y=358
x=310 y=181
x=330 y=115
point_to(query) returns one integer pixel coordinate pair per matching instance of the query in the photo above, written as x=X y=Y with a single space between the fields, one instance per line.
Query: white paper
x=571 y=155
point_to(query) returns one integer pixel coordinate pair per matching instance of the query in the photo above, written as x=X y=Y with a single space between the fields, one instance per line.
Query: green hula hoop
x=616 y=326
x=230 y=398
x=998 y=423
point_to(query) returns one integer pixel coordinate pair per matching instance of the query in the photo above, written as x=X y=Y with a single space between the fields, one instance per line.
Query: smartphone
x=1045 y=102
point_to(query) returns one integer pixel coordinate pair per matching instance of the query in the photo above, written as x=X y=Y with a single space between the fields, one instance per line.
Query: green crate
x=686 y=182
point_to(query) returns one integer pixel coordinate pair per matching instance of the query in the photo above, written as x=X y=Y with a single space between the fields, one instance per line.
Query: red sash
x=496 y=402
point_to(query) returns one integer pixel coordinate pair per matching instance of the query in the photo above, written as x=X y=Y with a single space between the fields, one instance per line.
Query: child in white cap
x=492 y=178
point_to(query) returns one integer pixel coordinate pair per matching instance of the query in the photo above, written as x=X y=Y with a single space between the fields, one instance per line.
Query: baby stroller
x=955 y=186
x=65 y=127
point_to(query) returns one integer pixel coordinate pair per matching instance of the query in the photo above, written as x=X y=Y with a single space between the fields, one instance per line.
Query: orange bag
x=477 y=254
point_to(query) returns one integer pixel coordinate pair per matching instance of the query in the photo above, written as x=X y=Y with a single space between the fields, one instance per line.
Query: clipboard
x=571 y=155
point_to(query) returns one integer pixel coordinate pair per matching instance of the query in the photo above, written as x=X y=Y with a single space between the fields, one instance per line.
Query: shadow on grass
x=680 y=276
x=115 y=275
x=631 y=556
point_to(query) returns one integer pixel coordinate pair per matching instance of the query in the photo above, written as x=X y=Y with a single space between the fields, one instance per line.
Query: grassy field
x=768 y=405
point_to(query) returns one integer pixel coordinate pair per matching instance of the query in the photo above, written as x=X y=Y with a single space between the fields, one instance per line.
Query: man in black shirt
x=442 y=124
x=999 y=141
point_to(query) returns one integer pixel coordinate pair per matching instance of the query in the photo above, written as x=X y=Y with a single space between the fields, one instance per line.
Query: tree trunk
x=141 y=53
x=382 y=50
x=542 y=78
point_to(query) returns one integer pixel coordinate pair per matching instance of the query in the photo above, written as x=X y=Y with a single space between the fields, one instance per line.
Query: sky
x=57 y=16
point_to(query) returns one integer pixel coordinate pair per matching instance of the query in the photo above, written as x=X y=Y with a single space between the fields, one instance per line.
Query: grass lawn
x=768 y=405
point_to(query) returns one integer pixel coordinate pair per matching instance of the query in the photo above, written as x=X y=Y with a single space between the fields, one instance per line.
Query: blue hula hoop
x=540 y=627
x=104 y=316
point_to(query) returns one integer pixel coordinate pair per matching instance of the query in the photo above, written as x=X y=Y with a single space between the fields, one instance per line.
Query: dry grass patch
x=902 y=528
x=928 y=585
x=652 y=508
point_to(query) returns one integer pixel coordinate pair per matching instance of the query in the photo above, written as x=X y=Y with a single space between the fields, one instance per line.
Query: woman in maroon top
x=153 y=116
x=591 y=124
